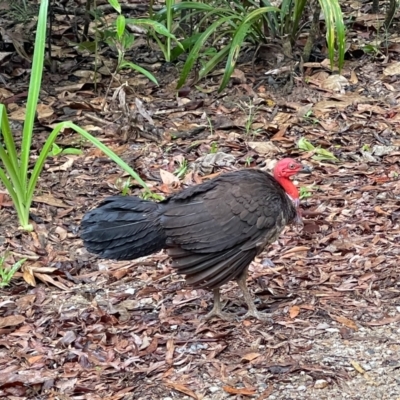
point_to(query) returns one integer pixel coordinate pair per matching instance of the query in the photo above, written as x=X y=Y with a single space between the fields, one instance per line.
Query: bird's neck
x=289 y=187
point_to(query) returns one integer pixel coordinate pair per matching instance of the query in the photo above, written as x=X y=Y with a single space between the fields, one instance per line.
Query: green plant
x=251 y=110
x=21 y=11
x=305 y=192
x=6 y=274
x=320 y=154
x=214 y=148
x=221 y=21
x=118 y=37
x=58 y=151
x=181 y=170
x=371 y=49
x=165 y=30
x=240 y=21
x=123 y=185
x=309 y=117
x=122 y=40
x=248 y=161
x=14 y=173
x=287 y=22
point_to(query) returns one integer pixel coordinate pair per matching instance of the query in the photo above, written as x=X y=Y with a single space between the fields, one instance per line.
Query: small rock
x=320 y=384
x=332 y=330
x=262 y=386
x=301 y=388
x=146 y=300
x=367 y=367
x=213 y=389
x=103 y=267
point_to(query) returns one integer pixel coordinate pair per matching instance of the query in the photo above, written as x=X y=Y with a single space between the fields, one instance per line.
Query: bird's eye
x=291 y=166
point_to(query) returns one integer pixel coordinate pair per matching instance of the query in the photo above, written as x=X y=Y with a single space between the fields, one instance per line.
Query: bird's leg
x=217 y=309
x=252 y=312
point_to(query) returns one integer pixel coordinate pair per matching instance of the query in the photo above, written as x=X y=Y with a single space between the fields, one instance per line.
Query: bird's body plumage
x=211 y=231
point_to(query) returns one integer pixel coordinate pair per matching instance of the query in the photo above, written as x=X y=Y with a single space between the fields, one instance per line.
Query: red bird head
x=286 y=168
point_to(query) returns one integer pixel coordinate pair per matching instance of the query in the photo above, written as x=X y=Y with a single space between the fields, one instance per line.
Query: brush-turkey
x=211 y=231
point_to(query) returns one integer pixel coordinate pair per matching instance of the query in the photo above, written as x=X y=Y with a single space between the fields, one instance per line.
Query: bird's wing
x=216 y=232
x=233 y=212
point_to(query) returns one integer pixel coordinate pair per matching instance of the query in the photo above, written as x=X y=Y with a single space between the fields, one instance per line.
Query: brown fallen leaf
x=345 y=321
x=167 y=177
x=251 y=356
x=294 y=311
x=244 y=391
x=50 y=200
x=11 y=320
x=48 y=279
x=296 y=250
x=29 y=377
x=266 y=393
x=152 y=347
x=34 y=359
x=384 y=321
x=27 y=274
x=182 y=388
x=380 y=211
x=169 y=355
x=121 y=393
x=266 y=148
x=64 y=167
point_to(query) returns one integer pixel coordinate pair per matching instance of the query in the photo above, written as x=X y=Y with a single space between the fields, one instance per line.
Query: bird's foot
x=219 y=314
x=254 y=313
x=217 y=309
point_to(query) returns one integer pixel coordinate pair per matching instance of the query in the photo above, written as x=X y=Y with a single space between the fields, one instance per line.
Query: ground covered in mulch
x=73 y=326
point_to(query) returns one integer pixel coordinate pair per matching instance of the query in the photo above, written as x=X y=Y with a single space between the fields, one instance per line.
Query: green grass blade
x=185 y=45
x=297 y=14
x=235 y=46
x=237 y=41
x=257 y=13
x=184 y=5
x=10 y=189
x=49 y=143
x=335 y=30
x=330 y=31
x=341 y=33
x=8 y=137
x=34 y=89
x=143 y=71
x=115 y=4
x=157 y=26
x=169 y=4
x=194 y=53
x=12 y=173
x=213 y=62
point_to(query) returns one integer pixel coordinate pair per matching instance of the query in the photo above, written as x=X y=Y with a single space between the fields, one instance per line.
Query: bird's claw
x=258 y=315
x=218 y=313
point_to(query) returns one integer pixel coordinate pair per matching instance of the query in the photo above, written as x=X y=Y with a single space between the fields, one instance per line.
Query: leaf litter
x=77 y=326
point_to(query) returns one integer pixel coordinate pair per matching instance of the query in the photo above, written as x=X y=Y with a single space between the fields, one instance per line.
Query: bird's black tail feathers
x=123 y=228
